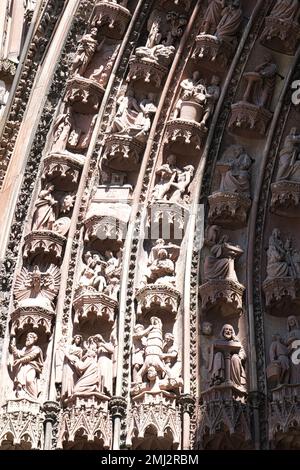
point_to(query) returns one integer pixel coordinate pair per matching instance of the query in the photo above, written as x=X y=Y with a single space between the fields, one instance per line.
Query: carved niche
x=156 y=378
x=65 y=169
x=282 y=30
x=193 y=110
x=221 y=293
x=251 y=116
x=127 y=138
x=159 y=291
x=229 y=205
x=84 y=95
x=217 y=40
x=150 y=63
x=282 y=285
x=286 y=188
x=111 y=18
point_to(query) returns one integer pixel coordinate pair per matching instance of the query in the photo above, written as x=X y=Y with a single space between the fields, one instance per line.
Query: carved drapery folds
x=218 y=37
x=229 y=205
x=282 y=285
x=222 y=291
x=286 y=188
x=251 y=116
x=282 y=31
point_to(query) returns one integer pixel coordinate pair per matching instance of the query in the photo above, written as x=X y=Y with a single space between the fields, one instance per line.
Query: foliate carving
x=118 y=406
x=21 y=425
x=217 y=40
x=282 y=30
x=281 y=287
x=44 y=242
x=27 y=367
x=111 y=18
x=222 y=292
x=89 y=417
x=286 y=189
x=33 y=318
x=84 y=95
x=229 y=205
x=163 y=297
x=251 y=116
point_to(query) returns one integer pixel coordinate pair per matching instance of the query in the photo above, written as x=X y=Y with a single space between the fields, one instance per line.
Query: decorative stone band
x=222 y=296
x=44 y=242
x=212 y=53
x=280 y=35
x=122 y=152
x=228 y=210
x=285 y=198
x=157 y=296
x=282 y=295
x=115 y=17
x=186 y=132
x=249 y=120
x=149 y=72
x=90 y=304
x=66 y=166
x=36 y=319
x=84 y=95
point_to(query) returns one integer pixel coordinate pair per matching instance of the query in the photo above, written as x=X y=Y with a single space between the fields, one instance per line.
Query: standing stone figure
x=213 y=16
x=86 y=49
x=237 y=177
x=69 y=372
x=289 y=163
x=27 y=367
x=285 y=10
x=44 y=215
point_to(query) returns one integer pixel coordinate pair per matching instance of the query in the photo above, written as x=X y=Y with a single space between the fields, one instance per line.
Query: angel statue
x=36 y=288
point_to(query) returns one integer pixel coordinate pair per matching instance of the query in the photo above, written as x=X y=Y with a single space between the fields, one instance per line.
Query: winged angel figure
x=36 y=288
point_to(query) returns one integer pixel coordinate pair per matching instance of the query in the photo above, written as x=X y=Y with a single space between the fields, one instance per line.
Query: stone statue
x=279 y=355
x=278 y=264
x=194 y=90
x=69 y=372
x=181 y=184
x=213 y=16
x=227 y=360
x=285 y=10
x=61 y=132
x=289 y=163
x=138 y=351
x=85 y=51
x=170 y=353
x=173 y=183
x=105 y=352
x=154 y=26
x=236 y=178
x=87 y=370
x=37 y=288
x=230 y=22
x=293 y=334
x=261 y=83
x=211 y=97
x=44 y=215
x=4 y=93
x=27 y=367
x=220 y=265
x=162 y=270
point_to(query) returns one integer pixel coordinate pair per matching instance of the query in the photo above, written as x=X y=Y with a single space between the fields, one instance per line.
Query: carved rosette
x=84 y=95
x=21 y=425
x=158 y=296
x=223 y=416
x=147 y=71
x=222 y=296
x=122 y=152
x=282 y=295
x=33 y=318
x=89 y=304
x=111 y=18
x=188 y=133
x=44 y=242
x=212 y=52
x=280 y=35
x=87 y=417
x=285 y=198
x=228 y=210
x=65 y=166
x=284 y=417
x=158 y=411
x=105 y=227
x=249 y=120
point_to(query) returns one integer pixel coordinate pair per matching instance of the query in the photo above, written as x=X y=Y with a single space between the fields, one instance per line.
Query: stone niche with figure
x=188 y=126
x=156 y=381
x=127 y=137
x=221 y=292
x=150 y=63
x=282 y=284
x=230 y=203
x=218 y=37
x=286 y=187
x=282 y=30
x=251 y=116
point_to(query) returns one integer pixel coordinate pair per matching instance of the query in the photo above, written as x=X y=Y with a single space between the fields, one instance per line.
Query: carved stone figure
x=230 y=22
x=85 y=51
x=277 y=261
x=37 y=288
x=285 y=9
x=211 y=97
x=289 y=163
x=170 y=352
x=162 y=269
x=236 y=179
x=220 y=265
x=227 y=360
x=173 y=184
x=88 y=371
x=293 y=334
x=27 y=367
x=29 y=5
x=138 y=351
x=4 y=93
x=261 y=83
x=105 y=352
x=69 y=372
x=279 y=357
x=44 y=215
x=213 y=16
x=61 y=131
